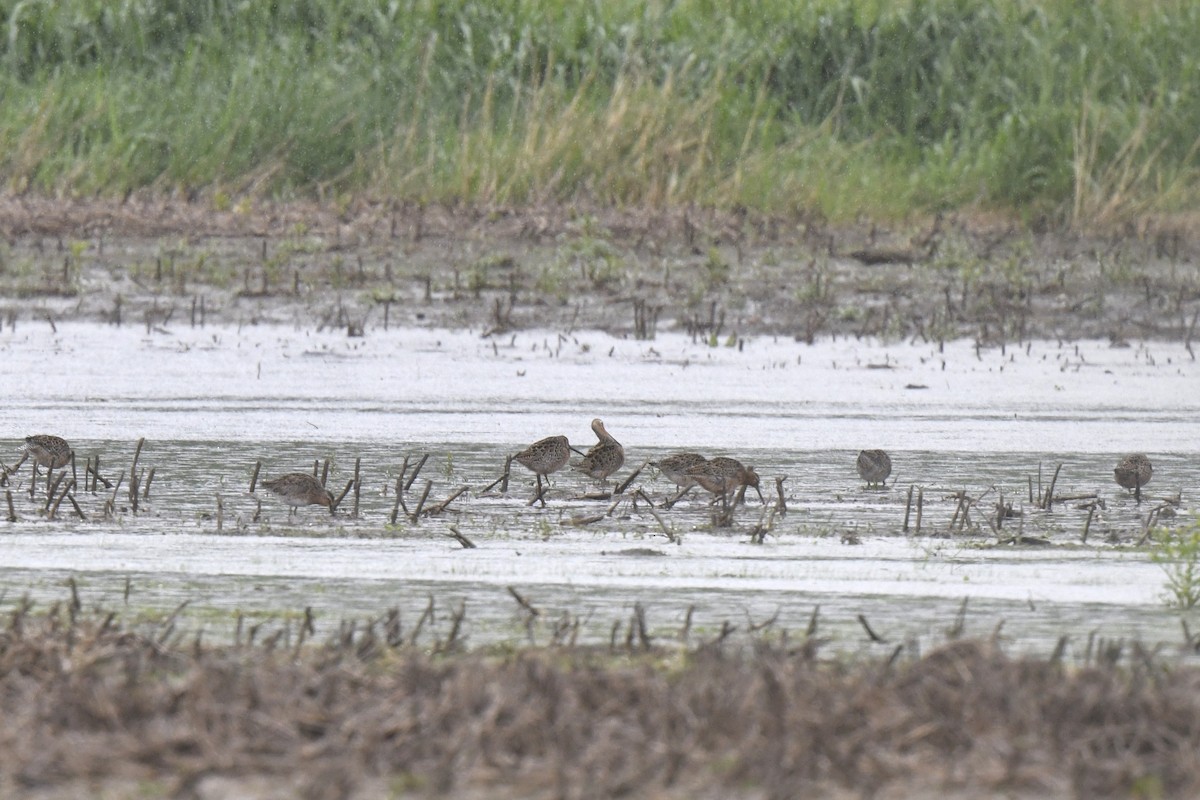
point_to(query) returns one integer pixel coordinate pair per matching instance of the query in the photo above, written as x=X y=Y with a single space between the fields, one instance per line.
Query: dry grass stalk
x=52 y=491
x=920 y=508
x=436 y=510
x=416 y=471
x=416 y=515
x=874 y=637
x=908 y=507
x=426 y=616
x=345 y=491
x=399 y=504
x=503 y=479
x=65 y=494
x=523 y=602
x=357 y=484
x=458 y=536
x=670 y=534
x=633 y=476
x=134 y=476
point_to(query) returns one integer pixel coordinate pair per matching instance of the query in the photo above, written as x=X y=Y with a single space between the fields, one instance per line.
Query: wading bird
x=300 y=489
x=675 y=469
x=1133 y=472
x=605 y=457
x=722 y=475
x=51 y=452
x=543 y=457
x=874 y=467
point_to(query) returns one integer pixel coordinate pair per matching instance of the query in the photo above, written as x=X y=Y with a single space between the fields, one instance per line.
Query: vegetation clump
x=90 y=702
x=1177 y=551
x=1066 y=113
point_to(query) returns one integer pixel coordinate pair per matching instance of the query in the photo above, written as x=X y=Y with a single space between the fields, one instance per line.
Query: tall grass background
x=1075 y=113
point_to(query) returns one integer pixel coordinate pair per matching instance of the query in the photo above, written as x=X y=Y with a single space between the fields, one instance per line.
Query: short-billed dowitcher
x=1133 y=472
x=722 y=475
x=605 y=457
x=543 y=457
x=300 y=489
x=48 y=451
x=51 y=452
x=675 y=469
x=874 y=467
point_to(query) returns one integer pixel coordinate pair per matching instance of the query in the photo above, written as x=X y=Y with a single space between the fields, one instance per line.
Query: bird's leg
x=541 y=496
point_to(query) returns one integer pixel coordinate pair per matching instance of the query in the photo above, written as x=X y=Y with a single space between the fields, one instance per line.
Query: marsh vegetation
x=1057 y=113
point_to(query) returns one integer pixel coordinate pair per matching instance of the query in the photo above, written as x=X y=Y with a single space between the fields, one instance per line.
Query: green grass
x=1177 y=551
x=1075 y=113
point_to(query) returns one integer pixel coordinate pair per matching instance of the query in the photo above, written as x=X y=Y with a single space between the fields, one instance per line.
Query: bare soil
x=93 y=708
x=362 y=264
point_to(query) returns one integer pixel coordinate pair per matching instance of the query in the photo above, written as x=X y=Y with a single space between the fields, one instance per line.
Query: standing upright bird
x=874 y=467
x=605 y=457
x=543 y=457
x=1133 y=472
x=300 y=489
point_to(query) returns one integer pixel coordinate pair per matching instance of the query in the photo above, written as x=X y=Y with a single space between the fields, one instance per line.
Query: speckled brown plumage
x=675 y=468
x=48 y=451
x=1133 y=472
x=300 y=489
x=723 y=475
x=605 y=457
x=874 y=467
x=543 y=457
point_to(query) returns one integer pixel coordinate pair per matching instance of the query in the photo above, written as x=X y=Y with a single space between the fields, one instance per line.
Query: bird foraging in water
x=543 y=457
x=874 y=467
x=51 y=452
x=605 y=457
x=48 y=451
x=675 y=469
x=1133 y=472
x=300 y=489
x=722 y=475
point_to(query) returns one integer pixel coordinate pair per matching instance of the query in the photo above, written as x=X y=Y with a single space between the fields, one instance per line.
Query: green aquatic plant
x=1177 y=551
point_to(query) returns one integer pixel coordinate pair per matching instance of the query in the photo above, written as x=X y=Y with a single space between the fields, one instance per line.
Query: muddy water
x=211 y=402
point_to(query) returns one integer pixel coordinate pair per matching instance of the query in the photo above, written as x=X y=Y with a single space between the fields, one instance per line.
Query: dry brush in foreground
x=88 y=701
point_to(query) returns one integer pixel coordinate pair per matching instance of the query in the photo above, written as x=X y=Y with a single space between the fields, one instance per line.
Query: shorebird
x=874 y=466
x=605 y=457
x=48 y=451
x=675 y=469
x=1133 y=472
x=51 y=452
x=300 y=489
x=543 y=457
x=721 y=476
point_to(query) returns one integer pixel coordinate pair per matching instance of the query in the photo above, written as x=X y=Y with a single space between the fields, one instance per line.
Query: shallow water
x=211 y=402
